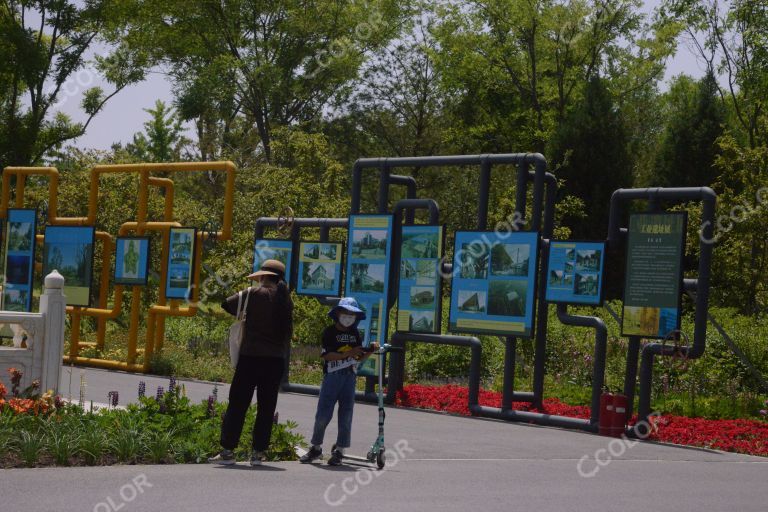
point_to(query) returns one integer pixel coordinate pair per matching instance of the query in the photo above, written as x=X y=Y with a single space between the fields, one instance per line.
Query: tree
x=163 y=139
x=732 y=38
x=695 y=120
x=398 y=103
x=592 y=144
x=43 y=46
x=274 y=63
x=520 y=65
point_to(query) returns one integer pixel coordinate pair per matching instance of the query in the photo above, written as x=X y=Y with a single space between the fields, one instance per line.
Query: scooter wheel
x=380 y=459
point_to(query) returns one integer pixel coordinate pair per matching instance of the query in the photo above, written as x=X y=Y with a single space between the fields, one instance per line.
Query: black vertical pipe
x=510 y=354
x=485 y=190
x=542 y=315
x=598 y=363
x=521 y=192
x=384 y=188
x=538 y=194
x=357 y=183
x=630 y=374
x=325 y=233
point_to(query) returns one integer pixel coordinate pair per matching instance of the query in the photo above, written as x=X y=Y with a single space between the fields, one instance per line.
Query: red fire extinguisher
x=606 y=413
x=619 y=420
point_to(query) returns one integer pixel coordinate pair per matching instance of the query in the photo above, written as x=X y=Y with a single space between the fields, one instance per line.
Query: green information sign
x=654 y=274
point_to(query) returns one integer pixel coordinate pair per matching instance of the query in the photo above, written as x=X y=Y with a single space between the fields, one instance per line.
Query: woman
x=268 y=330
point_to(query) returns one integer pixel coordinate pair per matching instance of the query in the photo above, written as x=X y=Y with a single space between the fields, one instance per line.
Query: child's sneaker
x=225 y=457
x=256 y=458
x=336 y=456
x=313 y=454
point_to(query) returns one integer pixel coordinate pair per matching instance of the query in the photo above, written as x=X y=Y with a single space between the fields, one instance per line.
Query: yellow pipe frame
x=157 y=312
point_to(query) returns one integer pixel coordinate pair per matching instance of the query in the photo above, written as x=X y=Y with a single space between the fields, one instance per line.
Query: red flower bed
x=741 y=436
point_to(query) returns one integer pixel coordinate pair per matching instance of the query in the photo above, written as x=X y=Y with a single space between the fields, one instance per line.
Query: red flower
x=742 y=436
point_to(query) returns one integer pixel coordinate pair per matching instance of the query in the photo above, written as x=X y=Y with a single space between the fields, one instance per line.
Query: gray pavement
x=443 y=463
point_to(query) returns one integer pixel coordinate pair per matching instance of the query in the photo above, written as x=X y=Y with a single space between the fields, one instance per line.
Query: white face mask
x=347 y=320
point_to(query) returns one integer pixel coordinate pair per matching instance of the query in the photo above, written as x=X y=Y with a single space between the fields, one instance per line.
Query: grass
x=157 y=432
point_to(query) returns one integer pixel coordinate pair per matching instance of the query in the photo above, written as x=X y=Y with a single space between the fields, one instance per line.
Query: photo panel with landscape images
x=132 y=260
x=69 y=249
x=181 y=261
x=274 y=249
x=575 y=272
x=419 y=304
x=319 y=269
x=18 y=281
x=367 y=270
x=494 y=283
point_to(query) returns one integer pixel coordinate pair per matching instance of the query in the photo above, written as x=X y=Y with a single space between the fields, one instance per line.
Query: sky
x=124 y=115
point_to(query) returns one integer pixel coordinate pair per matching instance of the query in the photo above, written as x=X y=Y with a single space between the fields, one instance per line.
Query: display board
x=19 y=259
x=494 y=283
x=367 y=277
x=273 y=249
x=320 y=267
x=69 y=249
x=575 y=272
x=181 y=255
x=419 y=304
x=132 y=260
x=654 y=274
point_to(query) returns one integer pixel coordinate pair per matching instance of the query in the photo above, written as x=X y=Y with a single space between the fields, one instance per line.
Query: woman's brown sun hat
x=269 y=268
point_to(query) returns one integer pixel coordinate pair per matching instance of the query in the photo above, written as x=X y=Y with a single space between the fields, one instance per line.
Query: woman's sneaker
x=257 y=458
x=336 y=456
x=225 y=457
x=313 y=454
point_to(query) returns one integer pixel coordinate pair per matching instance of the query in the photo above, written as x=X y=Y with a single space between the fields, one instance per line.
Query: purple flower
x=160 y=393
x=112 y=398
x=216 y=394
x=763 y=412
x=211 y=409
x=142 y=389
x=172 y=384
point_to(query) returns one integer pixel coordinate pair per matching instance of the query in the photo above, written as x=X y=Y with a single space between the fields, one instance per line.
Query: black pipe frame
x=617 y=234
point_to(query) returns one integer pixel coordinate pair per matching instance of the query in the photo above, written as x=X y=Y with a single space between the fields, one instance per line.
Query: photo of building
x=510 y=259
x=422 y=297
x=420 y=245
x=507 y=298
x=471 y=301
x=586 y=284
x=588 y=260
x=408 y=269
x=318 y=276
x=367 y=278
x=369 y=244
x=474 y=261
x=419 y=321
x=426 y=269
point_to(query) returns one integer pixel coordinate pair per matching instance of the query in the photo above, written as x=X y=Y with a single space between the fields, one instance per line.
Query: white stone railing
x=44 y=331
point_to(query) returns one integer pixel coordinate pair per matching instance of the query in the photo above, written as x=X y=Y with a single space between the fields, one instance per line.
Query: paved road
x=445 y=463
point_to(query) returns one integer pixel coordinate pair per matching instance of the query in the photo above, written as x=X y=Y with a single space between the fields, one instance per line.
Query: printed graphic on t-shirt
x=342 y=342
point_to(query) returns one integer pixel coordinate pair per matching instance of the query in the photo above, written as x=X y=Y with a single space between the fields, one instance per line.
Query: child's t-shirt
x=335 y=340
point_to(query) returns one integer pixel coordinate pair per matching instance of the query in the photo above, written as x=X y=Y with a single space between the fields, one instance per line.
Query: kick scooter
x=376 y=453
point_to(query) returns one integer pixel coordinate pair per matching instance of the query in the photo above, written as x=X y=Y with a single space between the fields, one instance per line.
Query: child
x=342 y=351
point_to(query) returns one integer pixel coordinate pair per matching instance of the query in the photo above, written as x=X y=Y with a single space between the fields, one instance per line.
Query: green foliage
x=695 y=120
x=41 y=68
x=270 y=64
x=171 y=430
x=162 y=139
x=592 y=145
